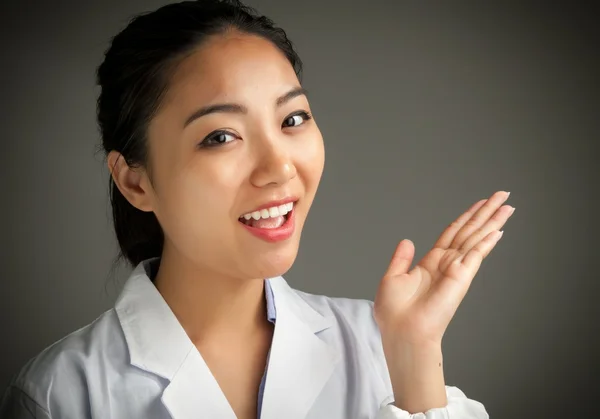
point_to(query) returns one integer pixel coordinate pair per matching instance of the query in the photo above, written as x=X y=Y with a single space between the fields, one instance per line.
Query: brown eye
x=220 y=138
x=296 y=119
x=217 y=138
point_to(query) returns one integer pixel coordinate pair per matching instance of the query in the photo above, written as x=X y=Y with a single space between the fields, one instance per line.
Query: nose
x=274 y=166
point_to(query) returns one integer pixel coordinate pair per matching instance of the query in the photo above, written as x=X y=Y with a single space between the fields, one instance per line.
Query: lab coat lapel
x=300 y=363
x=158 y=344
x=194 y=392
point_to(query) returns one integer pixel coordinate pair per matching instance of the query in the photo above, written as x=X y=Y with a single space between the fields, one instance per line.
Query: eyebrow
x=240 y=109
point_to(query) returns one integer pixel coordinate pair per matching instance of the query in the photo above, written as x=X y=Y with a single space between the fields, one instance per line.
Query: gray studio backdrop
x=425 y=108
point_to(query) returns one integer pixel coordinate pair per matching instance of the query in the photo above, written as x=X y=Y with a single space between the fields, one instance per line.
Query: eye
x=217 y=138
x=296 y=119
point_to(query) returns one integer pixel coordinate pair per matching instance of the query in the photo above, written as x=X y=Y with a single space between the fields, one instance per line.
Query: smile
x=272 y=224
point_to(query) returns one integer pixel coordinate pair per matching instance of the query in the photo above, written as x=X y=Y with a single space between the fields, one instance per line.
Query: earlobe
x=130 y=181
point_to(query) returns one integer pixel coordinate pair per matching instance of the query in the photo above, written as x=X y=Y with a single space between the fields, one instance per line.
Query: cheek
x=196 y=198
x=310 y=161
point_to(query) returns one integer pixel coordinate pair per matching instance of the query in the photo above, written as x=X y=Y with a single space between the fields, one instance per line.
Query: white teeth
x=269 y=212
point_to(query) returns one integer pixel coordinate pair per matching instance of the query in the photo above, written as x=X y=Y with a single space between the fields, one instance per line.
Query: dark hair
x=133 y=79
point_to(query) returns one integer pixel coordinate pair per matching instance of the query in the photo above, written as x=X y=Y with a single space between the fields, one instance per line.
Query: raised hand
x=413 y=307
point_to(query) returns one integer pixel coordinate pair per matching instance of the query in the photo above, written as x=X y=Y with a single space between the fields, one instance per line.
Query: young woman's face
x=234 y=135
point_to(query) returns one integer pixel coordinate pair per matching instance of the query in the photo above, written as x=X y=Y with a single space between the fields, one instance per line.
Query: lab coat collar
x=300 y=363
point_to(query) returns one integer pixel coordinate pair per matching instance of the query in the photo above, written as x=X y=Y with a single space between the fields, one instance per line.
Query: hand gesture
x=415 y=306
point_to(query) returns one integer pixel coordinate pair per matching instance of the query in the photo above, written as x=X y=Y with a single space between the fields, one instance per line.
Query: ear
x=133 y=183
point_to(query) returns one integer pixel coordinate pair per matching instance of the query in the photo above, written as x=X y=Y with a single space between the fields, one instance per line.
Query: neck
x=210 y=306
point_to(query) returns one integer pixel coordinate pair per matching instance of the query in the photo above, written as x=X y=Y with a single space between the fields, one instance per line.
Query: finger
x=496 y=222
x=481 y=216
x=448 y=235
x=448 y=293
x=402 y=259
x=472 y=260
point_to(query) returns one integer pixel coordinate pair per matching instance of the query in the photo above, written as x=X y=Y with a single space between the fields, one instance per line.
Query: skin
x=212 y=269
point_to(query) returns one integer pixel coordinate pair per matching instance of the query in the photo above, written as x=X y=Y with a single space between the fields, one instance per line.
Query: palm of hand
x=416 y=306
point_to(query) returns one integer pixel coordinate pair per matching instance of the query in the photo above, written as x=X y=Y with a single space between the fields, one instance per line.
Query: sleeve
x=16 y=404
x=458 y=407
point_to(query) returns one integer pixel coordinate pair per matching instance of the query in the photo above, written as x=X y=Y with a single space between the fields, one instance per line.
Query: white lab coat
x=136 y=361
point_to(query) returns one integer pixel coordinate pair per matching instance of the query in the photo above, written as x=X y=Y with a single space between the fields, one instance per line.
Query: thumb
x=402 y=259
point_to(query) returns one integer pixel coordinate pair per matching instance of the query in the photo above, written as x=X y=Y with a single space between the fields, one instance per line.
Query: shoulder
x=63 y=368
x=348 y=315
x=355 y=330
x=354 y=321
x=355 y=314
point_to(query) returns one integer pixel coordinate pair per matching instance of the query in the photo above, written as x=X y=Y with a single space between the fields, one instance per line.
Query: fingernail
x=507 y=195
x=512 y=210
x=501 y=232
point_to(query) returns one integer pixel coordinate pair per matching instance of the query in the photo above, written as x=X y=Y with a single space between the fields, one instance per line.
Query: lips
x=271 y=229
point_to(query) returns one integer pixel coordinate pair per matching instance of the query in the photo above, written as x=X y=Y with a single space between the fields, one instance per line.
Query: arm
x=417 y=376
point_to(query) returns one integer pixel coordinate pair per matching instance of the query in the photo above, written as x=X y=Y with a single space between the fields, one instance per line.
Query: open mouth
x=268 y=218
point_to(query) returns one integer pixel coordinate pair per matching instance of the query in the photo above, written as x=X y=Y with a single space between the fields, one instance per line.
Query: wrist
x=417 y=375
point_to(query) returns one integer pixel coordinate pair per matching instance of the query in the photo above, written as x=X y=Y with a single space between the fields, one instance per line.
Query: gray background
x=425 y=108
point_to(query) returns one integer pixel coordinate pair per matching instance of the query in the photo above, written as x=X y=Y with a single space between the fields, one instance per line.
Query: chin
x=274 y=263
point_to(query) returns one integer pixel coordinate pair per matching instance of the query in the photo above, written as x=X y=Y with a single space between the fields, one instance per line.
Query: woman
x=215 y=159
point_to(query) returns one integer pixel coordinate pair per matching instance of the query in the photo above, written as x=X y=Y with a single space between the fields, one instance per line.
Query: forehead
x=235 y=67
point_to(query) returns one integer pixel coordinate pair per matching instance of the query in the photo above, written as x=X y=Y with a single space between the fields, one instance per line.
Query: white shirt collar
x=158 y=343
